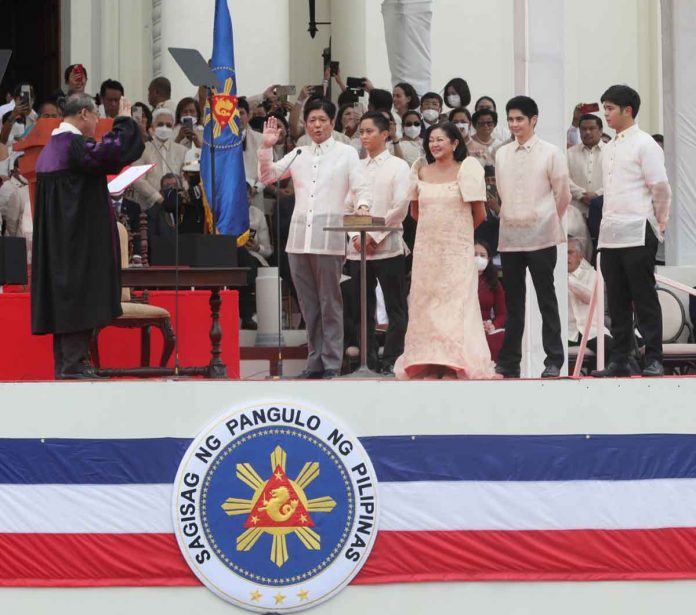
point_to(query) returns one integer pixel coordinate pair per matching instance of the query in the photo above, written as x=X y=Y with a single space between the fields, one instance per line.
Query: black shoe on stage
x=613 y=370
x=308 y=374
x=507 y=372
x=653 y=369
x=86 y=373
x=551 y=371
x=330 y=373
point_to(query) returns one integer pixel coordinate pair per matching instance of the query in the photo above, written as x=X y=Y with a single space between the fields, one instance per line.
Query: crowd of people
x=477 y=197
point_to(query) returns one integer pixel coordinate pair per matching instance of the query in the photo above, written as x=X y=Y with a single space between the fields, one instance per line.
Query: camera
x=185 y=121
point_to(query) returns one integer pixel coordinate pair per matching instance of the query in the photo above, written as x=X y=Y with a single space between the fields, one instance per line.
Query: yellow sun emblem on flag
x=224 y=111
x=278 y=507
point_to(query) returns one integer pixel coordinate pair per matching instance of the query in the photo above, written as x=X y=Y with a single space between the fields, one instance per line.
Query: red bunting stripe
x=137 y=560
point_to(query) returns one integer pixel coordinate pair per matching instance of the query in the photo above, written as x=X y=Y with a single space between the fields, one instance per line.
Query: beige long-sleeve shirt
x=585 y=170
x=168 y=157
x=533 y=184
x=636 y=189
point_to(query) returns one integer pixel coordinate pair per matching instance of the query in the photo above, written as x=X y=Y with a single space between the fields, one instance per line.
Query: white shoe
x=352 y=352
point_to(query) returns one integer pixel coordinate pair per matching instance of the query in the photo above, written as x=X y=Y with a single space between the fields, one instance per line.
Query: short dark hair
x=180 y=109
x=378 y=119
x=339 y=116
x=347 y=97
x=431 y=95
x=483 y=112
x=462 y=88
x=456 y=110
x=593 y=117
x=524 y=104
x=280 y=117
x=380 y=100
x=169 y=176
x=69 y=70
x=110 y=84
x=410 y=93
x=243 y=103
x=162 y=85
x=320 y=104
x=481 y=99
x=453 y=134
x=659 y=138
x=411 y=112
x=623 y=96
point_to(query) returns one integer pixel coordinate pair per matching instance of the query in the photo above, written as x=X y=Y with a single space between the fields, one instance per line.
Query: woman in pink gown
x=445 y=336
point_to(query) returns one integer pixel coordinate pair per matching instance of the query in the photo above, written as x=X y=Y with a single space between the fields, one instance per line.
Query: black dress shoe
x=613 y=370
x=507 y=372
x=249 y=324
x=387 y=369
x=308 y=374
x=551 y=371
x=83 y=374
x=653 y=369
x=330 y=373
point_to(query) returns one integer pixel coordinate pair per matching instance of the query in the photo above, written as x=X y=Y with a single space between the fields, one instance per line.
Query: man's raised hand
x=271 y=132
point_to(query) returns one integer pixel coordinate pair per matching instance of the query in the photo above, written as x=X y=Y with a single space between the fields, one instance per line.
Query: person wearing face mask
x=188 y=129
x=491 y=298
x=164 y=153
x=457 y=93
x=461 y=118
x=411 y=142
x=431 y=108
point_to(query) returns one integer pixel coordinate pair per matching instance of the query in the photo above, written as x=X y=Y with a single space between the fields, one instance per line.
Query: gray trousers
x=317 y=278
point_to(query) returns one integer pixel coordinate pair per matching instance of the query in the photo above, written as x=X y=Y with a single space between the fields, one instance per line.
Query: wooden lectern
x=36 y=140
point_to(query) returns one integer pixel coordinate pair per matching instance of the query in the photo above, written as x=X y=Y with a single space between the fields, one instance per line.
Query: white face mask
x=412 y=132
x=193 y=118
x=481 y=262
x=454 y=100
x=163 y=132
x=430 y=115
x=463 y=127
x=17 y=130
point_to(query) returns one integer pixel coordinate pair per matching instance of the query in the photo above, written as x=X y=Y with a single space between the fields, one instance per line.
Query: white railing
x=597 y=312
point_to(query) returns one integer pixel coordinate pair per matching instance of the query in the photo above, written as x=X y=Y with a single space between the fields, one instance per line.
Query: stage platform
x=584 y=410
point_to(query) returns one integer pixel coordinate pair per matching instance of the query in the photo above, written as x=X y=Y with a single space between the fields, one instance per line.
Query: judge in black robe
x=76 y=285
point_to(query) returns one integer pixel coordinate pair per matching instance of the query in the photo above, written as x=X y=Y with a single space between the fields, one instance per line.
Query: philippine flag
x=460 y=508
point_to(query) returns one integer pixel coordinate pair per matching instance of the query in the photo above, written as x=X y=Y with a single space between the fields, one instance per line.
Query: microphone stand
x=278 y=257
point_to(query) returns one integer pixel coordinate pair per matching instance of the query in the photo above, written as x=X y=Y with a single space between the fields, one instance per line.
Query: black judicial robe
x=76 y=270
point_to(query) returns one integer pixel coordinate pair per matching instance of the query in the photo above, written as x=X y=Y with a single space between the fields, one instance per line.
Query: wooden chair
x=138 y=315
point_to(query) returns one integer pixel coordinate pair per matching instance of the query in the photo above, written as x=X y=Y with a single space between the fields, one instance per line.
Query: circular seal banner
x=275 y=507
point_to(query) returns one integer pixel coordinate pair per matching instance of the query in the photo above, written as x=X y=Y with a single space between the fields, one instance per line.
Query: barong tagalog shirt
x=533 y=184
x=323 y=175
x=389 y=179
x=636 y=190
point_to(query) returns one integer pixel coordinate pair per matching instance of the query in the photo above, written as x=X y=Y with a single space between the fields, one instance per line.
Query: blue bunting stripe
x=396 y=458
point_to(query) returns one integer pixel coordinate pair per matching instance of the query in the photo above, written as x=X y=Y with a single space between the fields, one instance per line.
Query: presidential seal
x=275 y=507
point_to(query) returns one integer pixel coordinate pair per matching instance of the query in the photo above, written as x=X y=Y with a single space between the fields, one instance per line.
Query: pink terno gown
x=445 y=326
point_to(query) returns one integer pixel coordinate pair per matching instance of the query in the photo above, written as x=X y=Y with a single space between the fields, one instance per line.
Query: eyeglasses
x=412 y=124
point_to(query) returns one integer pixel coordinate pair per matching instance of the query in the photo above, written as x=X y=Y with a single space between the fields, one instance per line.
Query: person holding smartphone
x=22 y=117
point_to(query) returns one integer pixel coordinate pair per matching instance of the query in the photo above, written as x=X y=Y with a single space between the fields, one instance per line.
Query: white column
x=540 y=73
x=679 y=83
